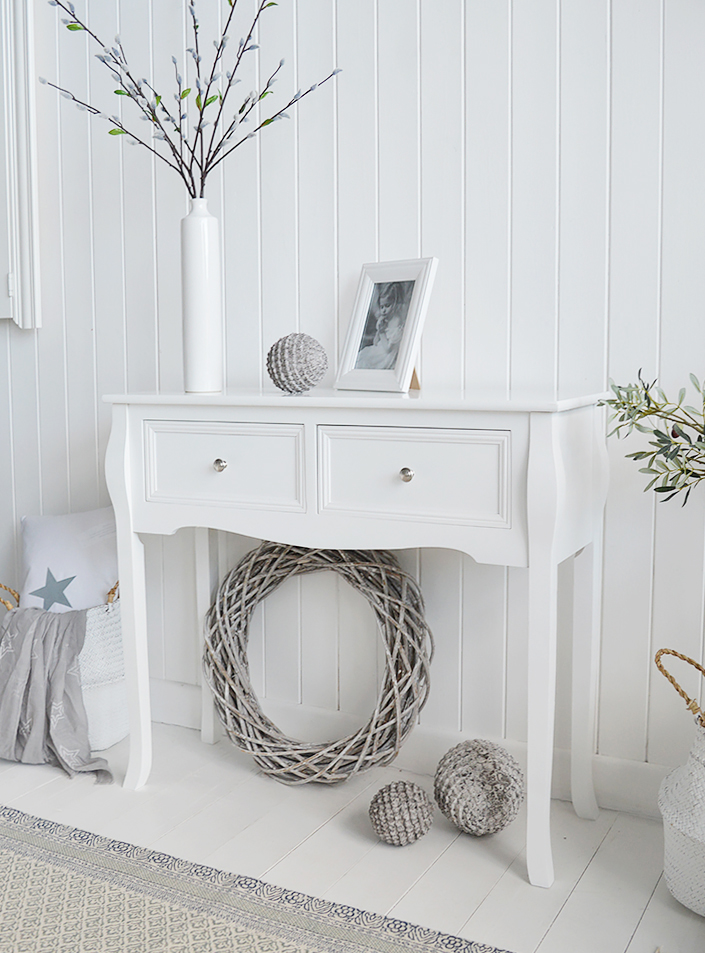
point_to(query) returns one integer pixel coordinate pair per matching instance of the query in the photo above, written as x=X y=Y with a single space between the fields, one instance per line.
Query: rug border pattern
x=261 y=906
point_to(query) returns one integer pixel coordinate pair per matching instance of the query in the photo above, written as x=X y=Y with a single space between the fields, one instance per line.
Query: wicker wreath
x=408 y=644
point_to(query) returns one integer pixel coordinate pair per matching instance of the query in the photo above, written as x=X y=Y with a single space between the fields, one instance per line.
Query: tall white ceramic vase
x=202 y=301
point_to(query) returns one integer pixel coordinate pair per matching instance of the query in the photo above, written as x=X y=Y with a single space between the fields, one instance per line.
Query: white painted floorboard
x=210 y=805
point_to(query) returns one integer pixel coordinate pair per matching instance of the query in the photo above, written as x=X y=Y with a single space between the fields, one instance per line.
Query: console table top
x=427 y=399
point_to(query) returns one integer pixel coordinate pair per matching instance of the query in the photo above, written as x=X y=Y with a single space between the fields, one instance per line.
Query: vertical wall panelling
x=78 y=298
x=441 y=584
x=443 y=187
x=135 y=22
x=52 y=342
x=358 y=641
x=398 y=128
x=108 y=235
x=635 y=195
x=635 y=266
x=281 y=614
x=315 y=122
x=535 y=165
x=241 y=226
x=279 y=171
x=319 y=641
x=170 y=197
x=678 y=561
x=677 y=622
x=356 y=91
x=484 y=631
x=583 y=186
x=25 y=418
x=548 y=153
x=488 y=68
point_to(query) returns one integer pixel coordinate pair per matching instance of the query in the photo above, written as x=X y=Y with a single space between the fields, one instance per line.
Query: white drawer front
x=264 y=463
x=459 y=476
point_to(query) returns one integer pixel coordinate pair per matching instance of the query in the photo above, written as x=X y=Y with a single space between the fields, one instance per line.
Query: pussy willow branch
x=244 y=46
x=191 y=155
x=266 y=122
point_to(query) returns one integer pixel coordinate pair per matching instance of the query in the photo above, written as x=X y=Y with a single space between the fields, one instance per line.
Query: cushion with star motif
x=70 y=562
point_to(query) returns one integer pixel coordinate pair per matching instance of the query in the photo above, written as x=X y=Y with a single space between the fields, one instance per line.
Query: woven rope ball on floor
x=479 y=786
x=296 y=363
x=408 y=647
x=401 y=812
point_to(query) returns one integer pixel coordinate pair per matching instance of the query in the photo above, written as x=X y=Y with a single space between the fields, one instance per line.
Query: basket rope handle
x=691 y=704
x=112 y=595
x=6 y=602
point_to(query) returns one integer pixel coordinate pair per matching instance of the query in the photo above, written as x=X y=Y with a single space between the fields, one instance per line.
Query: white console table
x=514 y=483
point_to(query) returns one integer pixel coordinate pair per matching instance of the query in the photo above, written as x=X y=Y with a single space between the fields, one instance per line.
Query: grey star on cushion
x=53 y=591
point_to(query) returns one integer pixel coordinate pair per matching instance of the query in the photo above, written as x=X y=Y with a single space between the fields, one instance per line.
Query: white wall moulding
x=19 y=266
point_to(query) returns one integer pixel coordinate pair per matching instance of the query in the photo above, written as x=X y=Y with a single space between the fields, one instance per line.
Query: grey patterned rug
x=66 y=891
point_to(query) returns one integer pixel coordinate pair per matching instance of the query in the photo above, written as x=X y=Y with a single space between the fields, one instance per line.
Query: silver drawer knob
x=220 y=465
x=407 y=474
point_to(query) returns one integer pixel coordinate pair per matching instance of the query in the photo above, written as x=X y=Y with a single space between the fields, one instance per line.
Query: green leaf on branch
x=267 y=92
x=270 y=4
x=185 y=93
x=120 y=92
x=211 y=99
x=198 y=101
x=74 y=26
x=268 y=122
x=117 y=132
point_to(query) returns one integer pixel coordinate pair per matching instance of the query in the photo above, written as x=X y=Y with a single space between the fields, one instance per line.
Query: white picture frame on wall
x=385 y=329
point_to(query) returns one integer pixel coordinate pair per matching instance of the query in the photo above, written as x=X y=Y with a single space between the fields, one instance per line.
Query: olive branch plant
x=192 y=149
x=676 y=461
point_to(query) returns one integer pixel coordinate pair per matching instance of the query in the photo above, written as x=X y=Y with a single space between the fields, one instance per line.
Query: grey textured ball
x=479 y=787
x=296 y=363
x=401 y=812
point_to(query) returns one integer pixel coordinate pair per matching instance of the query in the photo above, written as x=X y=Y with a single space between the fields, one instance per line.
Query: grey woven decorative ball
x=296 y=363
x=401 y=812
x=479 y=787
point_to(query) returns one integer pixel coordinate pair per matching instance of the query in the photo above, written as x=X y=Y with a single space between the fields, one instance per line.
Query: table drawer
x=264 y=463
x=458 y=476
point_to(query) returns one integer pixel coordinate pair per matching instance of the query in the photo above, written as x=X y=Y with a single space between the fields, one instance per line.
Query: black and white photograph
x=385 y=329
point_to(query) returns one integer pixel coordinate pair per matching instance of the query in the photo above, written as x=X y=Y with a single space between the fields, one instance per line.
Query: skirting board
x=620 y=785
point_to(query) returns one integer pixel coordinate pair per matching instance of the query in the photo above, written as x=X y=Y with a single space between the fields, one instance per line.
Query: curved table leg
x=541 y=712
x=133 y=609
x=133 y=601
x=586 y=634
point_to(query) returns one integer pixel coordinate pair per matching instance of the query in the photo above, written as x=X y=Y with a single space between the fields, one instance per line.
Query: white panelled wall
x=551 y=155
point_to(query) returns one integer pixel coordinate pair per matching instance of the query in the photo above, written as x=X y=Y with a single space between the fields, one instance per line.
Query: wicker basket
x=681 y=801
